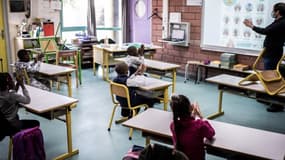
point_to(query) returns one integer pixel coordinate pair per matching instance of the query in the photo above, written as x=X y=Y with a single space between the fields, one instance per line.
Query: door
x=140 y=25
x=3 y=55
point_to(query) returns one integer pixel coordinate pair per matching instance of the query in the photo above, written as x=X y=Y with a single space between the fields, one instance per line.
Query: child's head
x=181 y=106
x=132 y=51
x=6 y=81
x=122 y=69
x=23 y=55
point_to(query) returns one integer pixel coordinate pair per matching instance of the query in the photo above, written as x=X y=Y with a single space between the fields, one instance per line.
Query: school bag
x=28 y=144
x=133 y=153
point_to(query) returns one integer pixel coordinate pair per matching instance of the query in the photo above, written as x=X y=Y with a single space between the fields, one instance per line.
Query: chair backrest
x=67 y=54
x=48 y=45
x=29 y=144
x=120 y=90
x=160 y=152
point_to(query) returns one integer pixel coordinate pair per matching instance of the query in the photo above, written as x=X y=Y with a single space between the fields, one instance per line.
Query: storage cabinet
x=87 y=53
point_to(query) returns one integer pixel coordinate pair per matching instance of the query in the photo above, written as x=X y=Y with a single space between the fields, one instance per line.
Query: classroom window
x=108 y=18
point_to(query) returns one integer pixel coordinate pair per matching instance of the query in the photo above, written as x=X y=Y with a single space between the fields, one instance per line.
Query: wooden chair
x=69 y=58
x=271 y=80
x=122 y=91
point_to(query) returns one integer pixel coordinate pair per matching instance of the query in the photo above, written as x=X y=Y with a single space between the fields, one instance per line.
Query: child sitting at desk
x=32 y=68
x=9 y=102
x=136 y=99
x=188 y=128
x=135 y=58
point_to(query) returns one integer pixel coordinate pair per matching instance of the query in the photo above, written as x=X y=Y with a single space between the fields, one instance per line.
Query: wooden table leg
x=69 y=84
x=220 y=109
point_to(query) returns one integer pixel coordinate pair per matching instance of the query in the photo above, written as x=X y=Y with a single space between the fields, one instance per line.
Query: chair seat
x=270 y=75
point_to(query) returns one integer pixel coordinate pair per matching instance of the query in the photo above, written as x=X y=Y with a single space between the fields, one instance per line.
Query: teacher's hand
x=248 y=23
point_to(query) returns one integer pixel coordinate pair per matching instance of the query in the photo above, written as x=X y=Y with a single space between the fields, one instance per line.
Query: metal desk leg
x=71 y=152
x=147 y=141
x=79 y=66
x=220 y=109
x=198 y=78
x=106 y=66
x=69 y=84
x=173 y=80
x=165 y=98
x=186 y=72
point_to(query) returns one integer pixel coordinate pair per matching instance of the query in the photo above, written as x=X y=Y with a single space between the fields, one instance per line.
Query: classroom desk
x=153 y=84
x=37 y=51
x=105 y=56
x=229 y=139
x=230 y=83
x=43 y=101
x=52 y=70
x=160 y=66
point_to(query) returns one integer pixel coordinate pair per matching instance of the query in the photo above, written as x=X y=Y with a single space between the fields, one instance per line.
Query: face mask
x=273 y=14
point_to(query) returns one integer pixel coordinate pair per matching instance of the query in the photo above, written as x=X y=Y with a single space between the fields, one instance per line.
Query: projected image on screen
x=223 y=28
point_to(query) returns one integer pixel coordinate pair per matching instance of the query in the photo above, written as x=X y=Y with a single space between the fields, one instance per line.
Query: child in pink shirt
x=189 y=128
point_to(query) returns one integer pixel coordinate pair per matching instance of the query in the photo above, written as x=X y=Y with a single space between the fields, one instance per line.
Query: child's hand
x=141 y=69
x=196 y=110
x=39 y=57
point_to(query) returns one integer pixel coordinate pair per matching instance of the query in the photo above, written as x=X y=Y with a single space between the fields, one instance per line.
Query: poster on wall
x=194 y=2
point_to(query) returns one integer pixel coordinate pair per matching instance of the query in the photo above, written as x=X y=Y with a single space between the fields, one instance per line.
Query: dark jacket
x=122 y=79
x=275 y=37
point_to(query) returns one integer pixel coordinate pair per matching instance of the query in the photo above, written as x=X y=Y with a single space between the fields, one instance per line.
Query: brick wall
x=180 y=55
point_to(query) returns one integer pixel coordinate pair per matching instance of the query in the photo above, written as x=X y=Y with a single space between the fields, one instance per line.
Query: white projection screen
x=223 y=29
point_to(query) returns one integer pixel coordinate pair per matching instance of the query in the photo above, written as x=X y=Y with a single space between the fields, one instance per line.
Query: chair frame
x=122 y=90
x=271 y=80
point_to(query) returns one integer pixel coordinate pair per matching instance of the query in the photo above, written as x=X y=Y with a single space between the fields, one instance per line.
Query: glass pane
x=108 y=13
x=74 y=13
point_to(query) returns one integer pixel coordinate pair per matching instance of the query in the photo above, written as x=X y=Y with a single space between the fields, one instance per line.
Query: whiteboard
x=223 y=29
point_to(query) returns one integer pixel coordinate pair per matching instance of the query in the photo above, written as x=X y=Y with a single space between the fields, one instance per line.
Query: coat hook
x=155 y=14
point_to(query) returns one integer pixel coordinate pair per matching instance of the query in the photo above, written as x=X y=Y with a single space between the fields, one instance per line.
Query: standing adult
x=274 y=41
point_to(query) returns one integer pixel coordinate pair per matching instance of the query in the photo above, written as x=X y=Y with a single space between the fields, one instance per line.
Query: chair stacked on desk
x=271 y=80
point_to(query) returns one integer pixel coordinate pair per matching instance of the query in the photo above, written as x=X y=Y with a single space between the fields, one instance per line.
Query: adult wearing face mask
x=274 y=41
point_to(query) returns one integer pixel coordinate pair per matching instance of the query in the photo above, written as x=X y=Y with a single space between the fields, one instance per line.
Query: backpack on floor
x=28 y=144
x=133 y=153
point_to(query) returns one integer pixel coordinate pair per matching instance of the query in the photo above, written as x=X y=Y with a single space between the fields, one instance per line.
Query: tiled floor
x=90 y=119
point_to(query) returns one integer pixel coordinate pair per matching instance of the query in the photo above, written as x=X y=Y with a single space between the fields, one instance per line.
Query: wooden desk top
x=232 y=81
x=154 y=84
x=229 y=137
x=116 y=48
x=155 y=64
x=44 y=101
x=51 y=69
